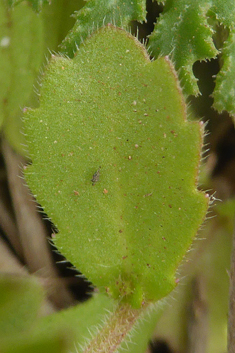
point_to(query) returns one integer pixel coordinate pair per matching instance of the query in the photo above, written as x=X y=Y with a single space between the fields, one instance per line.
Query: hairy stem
x=116 y=330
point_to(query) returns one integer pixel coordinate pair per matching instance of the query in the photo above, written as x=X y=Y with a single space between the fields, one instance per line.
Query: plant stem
x=116 y=330
x=231 y=314
x=198 y=320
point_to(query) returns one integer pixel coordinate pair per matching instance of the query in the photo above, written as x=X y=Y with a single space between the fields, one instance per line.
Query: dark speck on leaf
x=96 y=177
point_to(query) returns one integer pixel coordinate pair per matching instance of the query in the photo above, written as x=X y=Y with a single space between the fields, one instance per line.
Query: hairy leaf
x=115 y=165
x=185 y=32
x=224 y=94
x=224 y=12
x=97 y=13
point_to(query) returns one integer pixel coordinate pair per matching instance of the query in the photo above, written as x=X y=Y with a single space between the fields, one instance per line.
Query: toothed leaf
x=224 y=93
x=183 y=32
x=190 y=38
x=223 y=11
x=115 y=165
x=97 y=13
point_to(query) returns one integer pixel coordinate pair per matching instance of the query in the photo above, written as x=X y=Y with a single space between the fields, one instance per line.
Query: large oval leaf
x=115 y=165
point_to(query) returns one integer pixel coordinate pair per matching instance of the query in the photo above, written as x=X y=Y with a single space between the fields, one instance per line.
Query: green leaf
x=183 y=32
x=223 y=11
x=36 y=4
x=97 y=13
x=22 y=330
x=224 y=93
x=91 y=321
x=115 y=165
x=21 y=54
x=20 y=301
x=57 y=21
x=28 y=342
x=83 y=322
x=21 y=60
x=224 y=90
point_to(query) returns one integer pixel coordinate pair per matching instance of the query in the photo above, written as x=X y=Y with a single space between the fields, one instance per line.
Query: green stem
x=115 y=330
x=231 y=314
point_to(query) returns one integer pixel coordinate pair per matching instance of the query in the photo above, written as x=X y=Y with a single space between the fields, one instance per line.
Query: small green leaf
x=20 y=301
x=190 y=38
x=223 y=11
x=115 y=165
x=57 y=21
x=21 y=54
x=30 y=341
x=93 y=319
x=183 y=32
x=81 y=322
x=224 y=93
x=97 y=13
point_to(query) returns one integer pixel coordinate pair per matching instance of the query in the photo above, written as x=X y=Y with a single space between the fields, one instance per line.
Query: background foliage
x=200 y=44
